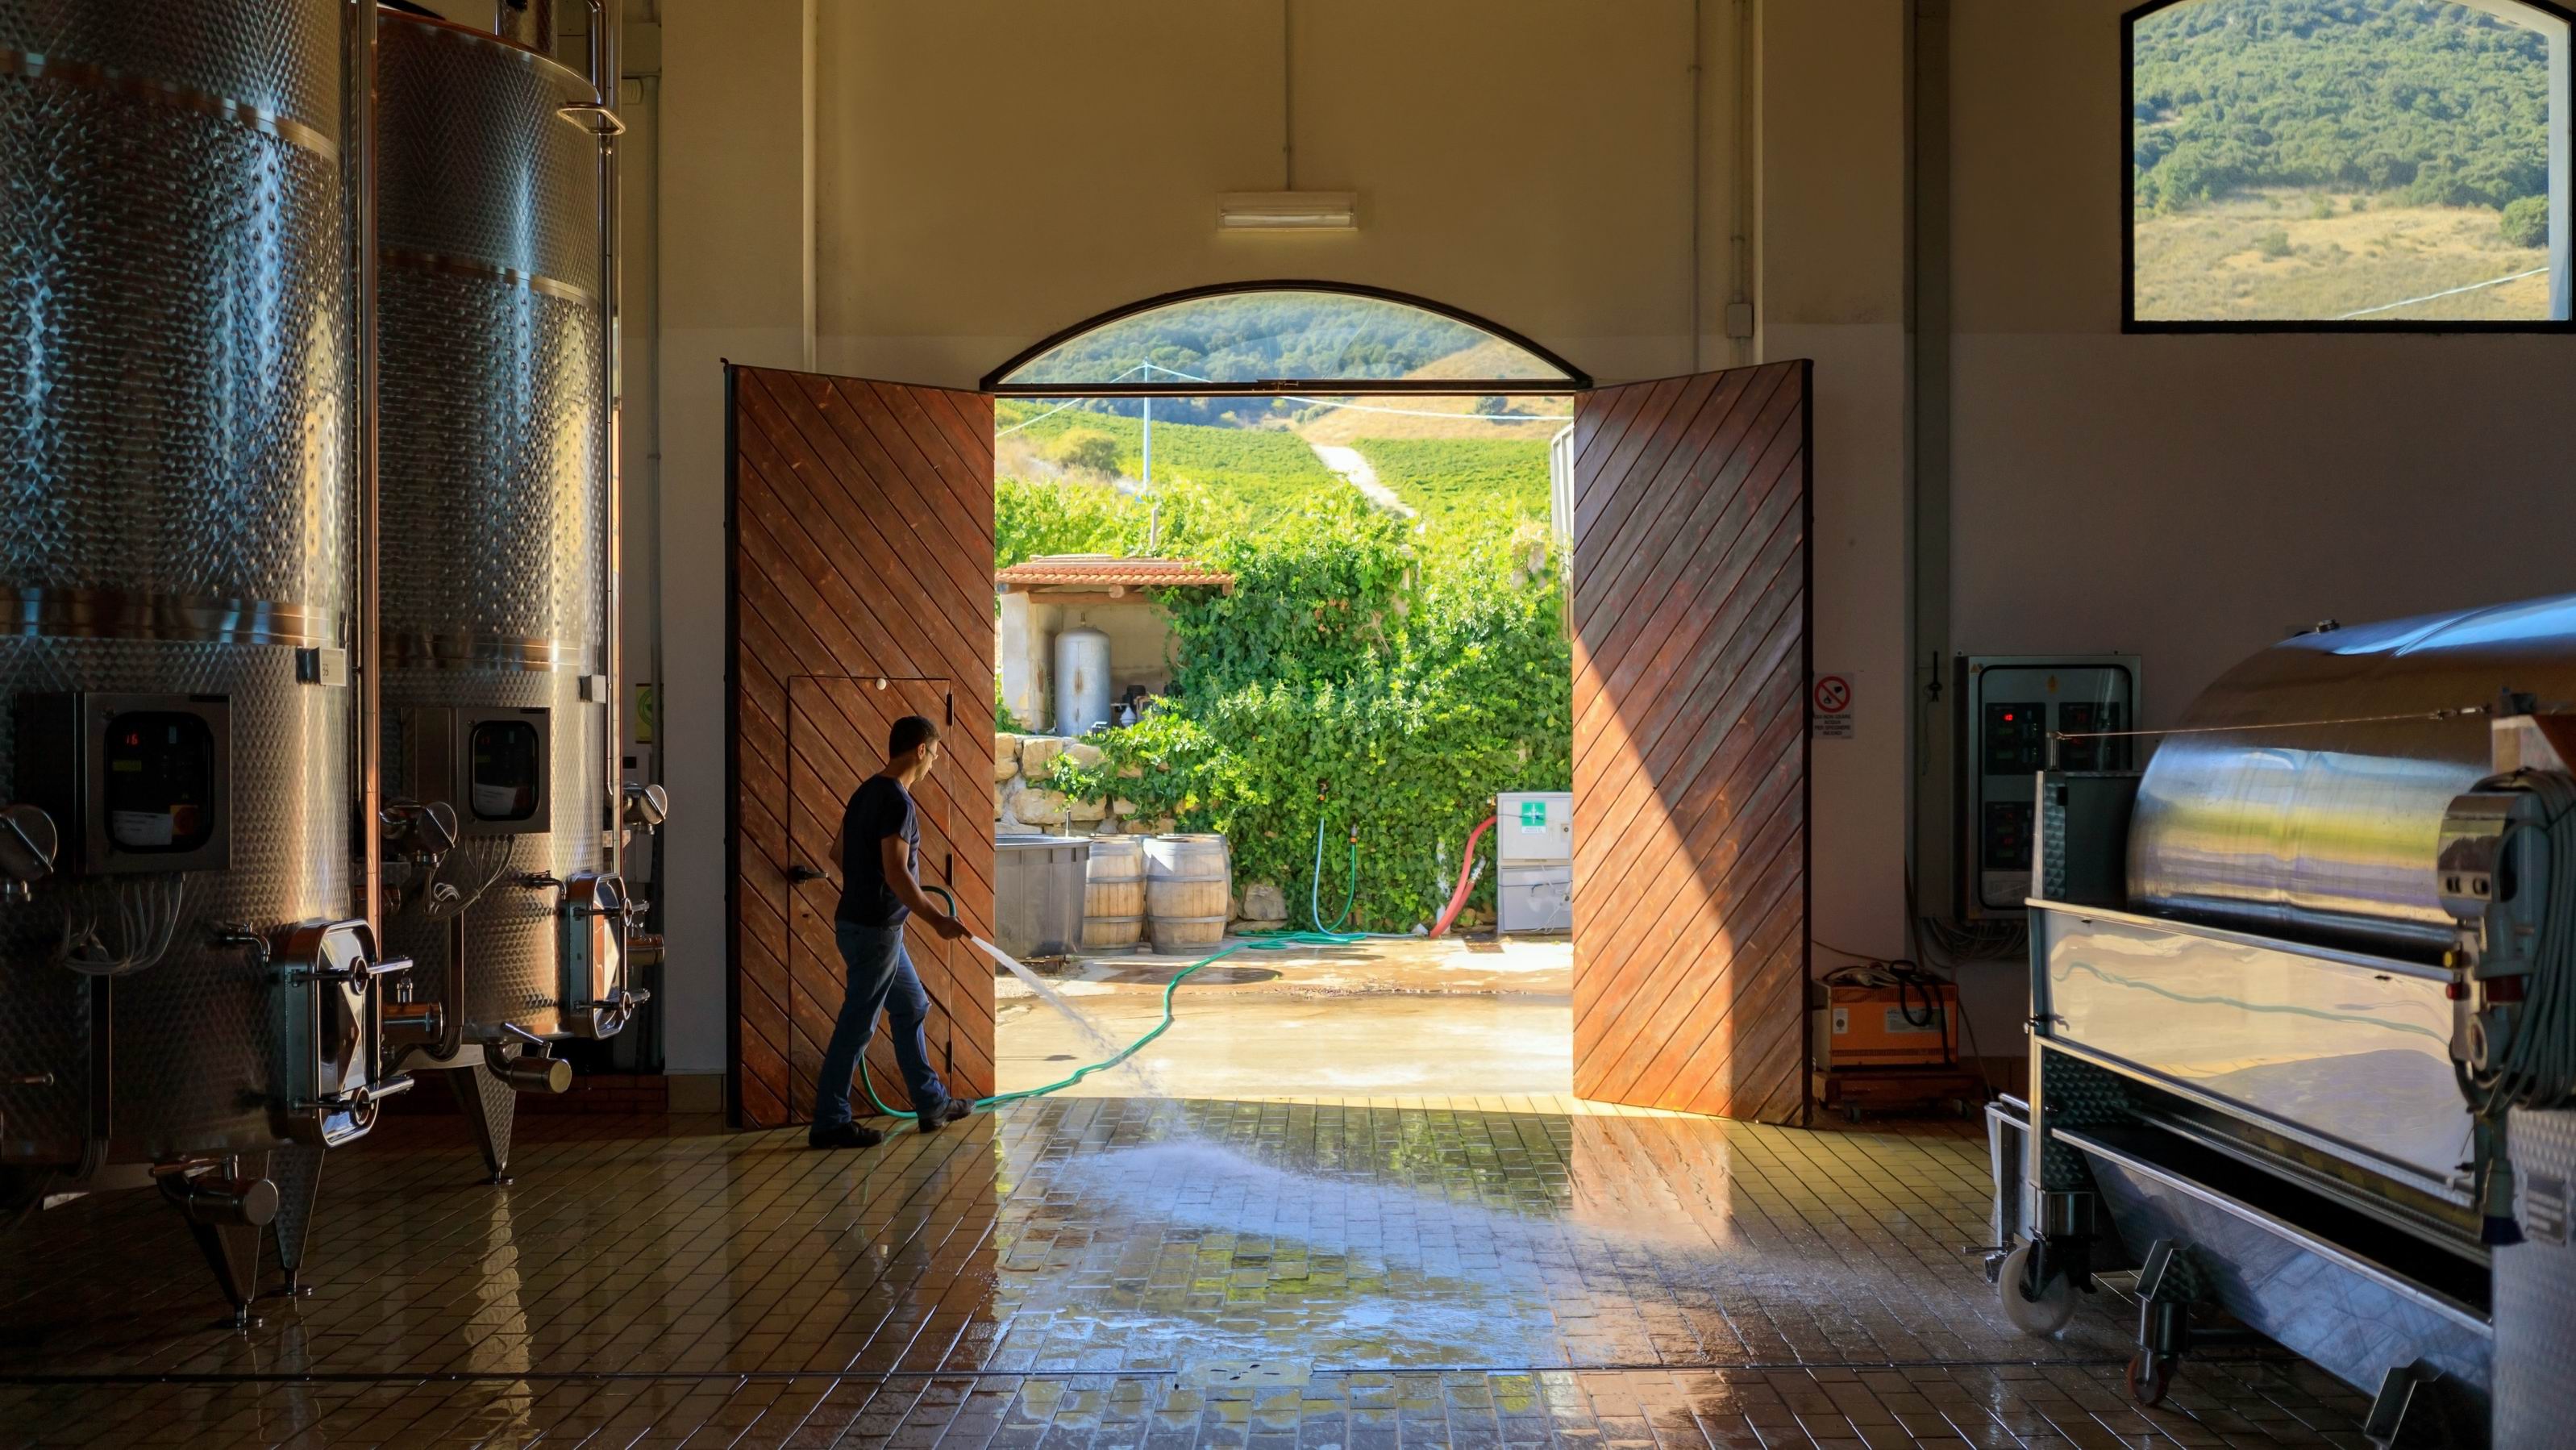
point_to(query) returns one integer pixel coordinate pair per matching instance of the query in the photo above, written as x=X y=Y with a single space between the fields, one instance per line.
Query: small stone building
x=1045 y=596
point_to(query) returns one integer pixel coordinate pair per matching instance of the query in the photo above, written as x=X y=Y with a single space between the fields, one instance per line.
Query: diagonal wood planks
x=861 y=550
x=1690 y=580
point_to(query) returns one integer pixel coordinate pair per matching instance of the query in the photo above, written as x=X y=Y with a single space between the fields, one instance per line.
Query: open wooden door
x=1690 y=613
x=862 y=590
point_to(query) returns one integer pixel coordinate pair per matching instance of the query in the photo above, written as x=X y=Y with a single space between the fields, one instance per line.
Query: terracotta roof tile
x=1106 y=569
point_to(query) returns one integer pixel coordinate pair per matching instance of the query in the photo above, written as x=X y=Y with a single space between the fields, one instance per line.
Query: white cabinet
x=1534 y=860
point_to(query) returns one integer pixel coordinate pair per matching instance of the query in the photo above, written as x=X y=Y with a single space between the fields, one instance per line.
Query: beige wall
x=2187 y=498
x=1832 y=261
x=991 y=170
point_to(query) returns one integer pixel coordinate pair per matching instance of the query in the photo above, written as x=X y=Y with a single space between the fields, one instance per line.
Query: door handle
x=800 y=874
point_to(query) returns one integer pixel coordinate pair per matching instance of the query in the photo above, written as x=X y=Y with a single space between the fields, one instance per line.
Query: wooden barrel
x=1113 y=894
x=1186 y=883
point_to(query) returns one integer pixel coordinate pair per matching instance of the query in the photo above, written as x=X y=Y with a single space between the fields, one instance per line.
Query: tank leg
x=226 y=1206
x=489 y=1105
x=2167 y=1287
x=298 y=1172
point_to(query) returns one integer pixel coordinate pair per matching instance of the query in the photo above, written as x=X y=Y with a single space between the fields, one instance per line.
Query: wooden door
x=861 y=542
x=1690 y=610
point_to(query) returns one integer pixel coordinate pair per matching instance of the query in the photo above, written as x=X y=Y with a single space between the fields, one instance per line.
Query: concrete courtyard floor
x=1478 y=1016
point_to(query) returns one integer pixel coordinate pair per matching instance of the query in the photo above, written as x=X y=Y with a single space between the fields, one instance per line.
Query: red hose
x=1466 y=866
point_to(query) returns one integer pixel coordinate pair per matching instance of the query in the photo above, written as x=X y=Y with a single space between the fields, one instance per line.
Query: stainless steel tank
x=180 y=552
x=496 y=576
x=1081 y=680
x=2304 y=798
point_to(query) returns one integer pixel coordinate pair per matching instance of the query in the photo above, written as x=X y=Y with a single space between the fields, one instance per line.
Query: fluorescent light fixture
x=1288 y=211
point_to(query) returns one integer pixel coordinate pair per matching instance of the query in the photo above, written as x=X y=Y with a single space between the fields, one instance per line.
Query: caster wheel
x=2040 y=1316
x=1851 y=1115
x=2150 y=1375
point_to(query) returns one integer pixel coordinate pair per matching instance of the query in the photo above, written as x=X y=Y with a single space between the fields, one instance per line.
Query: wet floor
x=1111 y=1272
x=1380 y=1018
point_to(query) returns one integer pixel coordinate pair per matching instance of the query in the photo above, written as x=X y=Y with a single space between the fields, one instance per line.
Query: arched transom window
x=1286 y=337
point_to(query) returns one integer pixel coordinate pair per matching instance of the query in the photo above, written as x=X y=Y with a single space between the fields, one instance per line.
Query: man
x=879 y=848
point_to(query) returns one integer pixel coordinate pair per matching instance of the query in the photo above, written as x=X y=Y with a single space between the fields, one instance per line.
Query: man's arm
x=896 y=854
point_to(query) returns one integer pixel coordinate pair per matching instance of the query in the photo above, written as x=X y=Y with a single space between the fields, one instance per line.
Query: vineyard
x=1253 y=471
x=1464 y=484
x=1420 y=665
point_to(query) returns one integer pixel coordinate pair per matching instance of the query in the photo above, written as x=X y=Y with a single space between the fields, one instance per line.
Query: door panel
x=1691 y=562
x=861 y=549
x=836 y=733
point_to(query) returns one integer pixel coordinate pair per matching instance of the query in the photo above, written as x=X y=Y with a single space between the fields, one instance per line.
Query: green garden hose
x=1080 y=1073
x=1315 y=896
x=1265 y=942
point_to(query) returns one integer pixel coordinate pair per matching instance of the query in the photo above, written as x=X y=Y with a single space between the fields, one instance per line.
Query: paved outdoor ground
x=1458 y=1017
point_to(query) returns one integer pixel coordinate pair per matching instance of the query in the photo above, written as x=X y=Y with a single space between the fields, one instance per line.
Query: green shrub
x=2526 y=222
x=1086 y=450
x=1408 y=690
x=2274 y=244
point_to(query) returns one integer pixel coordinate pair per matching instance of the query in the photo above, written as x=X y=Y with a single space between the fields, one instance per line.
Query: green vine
x=1364 y=675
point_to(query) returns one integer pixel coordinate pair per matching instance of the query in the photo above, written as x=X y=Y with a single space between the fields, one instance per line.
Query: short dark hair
x=910 y=733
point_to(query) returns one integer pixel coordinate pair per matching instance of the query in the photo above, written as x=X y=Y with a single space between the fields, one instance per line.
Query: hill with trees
x=2435 y=104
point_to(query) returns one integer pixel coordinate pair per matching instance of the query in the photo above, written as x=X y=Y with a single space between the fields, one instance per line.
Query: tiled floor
x=1108 y=1272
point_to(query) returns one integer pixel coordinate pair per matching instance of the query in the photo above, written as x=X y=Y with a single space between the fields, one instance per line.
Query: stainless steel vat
x=180 y=516
x=182 y=548
x=498 y=568
x=2312 y=806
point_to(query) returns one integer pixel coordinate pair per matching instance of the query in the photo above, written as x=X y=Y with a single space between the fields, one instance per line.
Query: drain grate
x=1249 y=1372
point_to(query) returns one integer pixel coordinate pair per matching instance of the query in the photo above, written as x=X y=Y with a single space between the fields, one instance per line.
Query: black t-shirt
x=879 y=808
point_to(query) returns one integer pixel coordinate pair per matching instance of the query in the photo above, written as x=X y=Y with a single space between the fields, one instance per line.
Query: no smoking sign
x=1832 y=699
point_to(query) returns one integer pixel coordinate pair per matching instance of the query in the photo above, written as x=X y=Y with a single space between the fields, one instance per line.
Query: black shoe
x=944 y=1112
x=847 y=1135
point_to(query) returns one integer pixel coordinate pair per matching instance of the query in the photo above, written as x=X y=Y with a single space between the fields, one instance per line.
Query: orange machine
x=1888 y=1039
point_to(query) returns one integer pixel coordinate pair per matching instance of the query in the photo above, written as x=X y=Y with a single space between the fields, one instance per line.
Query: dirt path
x=1349 y=464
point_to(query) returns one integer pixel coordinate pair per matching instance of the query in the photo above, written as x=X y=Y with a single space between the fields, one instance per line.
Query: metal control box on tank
x=496 y=479
x=188 y=980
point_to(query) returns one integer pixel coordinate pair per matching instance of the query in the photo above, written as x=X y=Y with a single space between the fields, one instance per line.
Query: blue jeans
x=881 y=978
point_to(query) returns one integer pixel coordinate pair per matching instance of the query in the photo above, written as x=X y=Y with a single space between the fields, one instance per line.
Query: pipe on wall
x=367 y=645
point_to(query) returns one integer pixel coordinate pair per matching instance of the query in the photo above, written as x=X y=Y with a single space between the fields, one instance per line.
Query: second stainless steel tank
x=2305 y=796
x=496 y=575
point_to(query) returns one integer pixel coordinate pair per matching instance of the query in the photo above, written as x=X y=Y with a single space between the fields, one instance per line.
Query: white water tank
x=1081 y=680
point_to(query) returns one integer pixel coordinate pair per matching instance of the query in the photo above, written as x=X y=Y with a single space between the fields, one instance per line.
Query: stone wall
x=1023 y=801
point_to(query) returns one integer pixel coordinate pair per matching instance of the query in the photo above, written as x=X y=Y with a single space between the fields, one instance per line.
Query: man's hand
x=948 y=927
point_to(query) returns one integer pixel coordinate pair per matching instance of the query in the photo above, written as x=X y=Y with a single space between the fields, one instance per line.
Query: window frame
x=1575 y=380
x=2562 y=182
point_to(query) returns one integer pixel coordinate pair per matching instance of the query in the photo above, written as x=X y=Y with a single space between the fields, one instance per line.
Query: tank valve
x=218 y=1198
x=531 y=1071
x=647 y=806
x=421 y=832
x=414 y=1024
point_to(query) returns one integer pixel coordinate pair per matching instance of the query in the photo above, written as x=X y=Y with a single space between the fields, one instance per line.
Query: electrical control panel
x=135 y=783
x=2012 y=709
x=491 y=765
